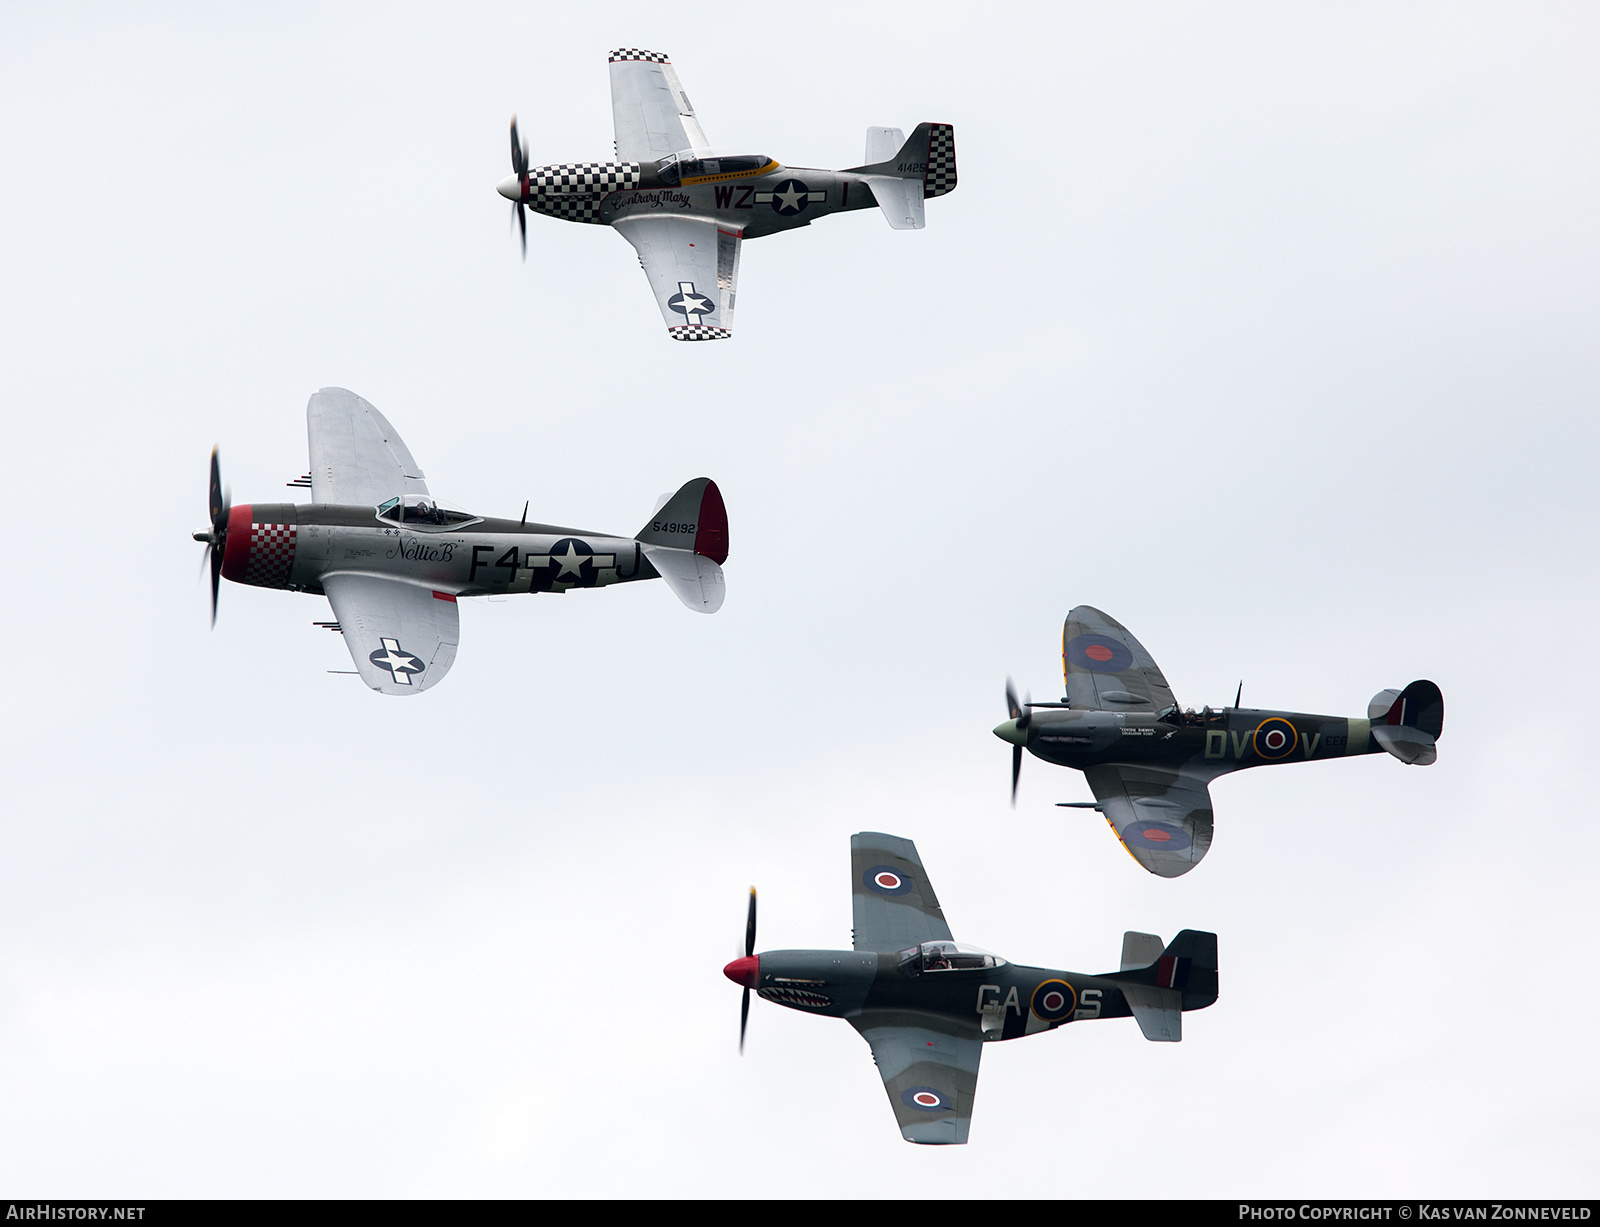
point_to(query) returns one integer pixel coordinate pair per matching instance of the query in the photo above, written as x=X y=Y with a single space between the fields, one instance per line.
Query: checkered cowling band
x=565 y=177
x=699 y=332
x=569 y=208
x=941 y=176
x=271 y=555
x=637 y=53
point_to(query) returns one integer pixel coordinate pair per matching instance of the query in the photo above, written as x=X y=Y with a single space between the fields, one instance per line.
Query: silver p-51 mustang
x=686 y=207
x=392 y=560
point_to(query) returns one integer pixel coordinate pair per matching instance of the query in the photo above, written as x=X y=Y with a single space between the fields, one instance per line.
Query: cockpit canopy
x=679 y=168
x=420 y=511
x=948 y=956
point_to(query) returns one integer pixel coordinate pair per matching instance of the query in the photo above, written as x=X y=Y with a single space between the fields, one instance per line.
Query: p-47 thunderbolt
x=1149 y=764
x=686 y=207
x=392 y=560
x=927 y=1004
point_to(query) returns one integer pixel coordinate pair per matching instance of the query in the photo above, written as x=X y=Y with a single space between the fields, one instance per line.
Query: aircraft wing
x=930 y=1074
x=693 y=266
x=403 y=638
x=649 y=108
x=894 y=903
x=1107 y=669
x=1161 y=815
x=356 y=456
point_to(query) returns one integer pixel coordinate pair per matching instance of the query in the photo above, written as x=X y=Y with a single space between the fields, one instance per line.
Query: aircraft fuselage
x=1211 y=743
x=997 y=1003
x=282 y=545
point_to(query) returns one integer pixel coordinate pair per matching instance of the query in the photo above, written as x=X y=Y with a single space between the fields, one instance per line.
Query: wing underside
x=402 y=637
x=693 y=267
x=929 y=1072
x=356 y=456
x=651 y=114
x=1161 y=815
x=894 y=905
x=1107 y=669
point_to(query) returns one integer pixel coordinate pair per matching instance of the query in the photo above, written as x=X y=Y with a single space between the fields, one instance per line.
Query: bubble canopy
x=688 y=167
x=421 y=511
x=949 y=956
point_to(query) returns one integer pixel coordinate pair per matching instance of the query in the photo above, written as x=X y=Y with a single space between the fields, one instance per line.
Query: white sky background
x=1270 y=331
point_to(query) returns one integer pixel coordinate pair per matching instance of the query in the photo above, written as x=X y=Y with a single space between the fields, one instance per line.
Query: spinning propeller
x=746 y=970
x=519 y=167
x=1015 y=730
x=217 y=538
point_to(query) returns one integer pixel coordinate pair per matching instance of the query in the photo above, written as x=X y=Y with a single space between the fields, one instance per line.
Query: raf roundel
x=1162 y=835
x=926 y=1099
x=1098 y=654
x=1276 y=738
x=1054 y=1000
x=886 y=880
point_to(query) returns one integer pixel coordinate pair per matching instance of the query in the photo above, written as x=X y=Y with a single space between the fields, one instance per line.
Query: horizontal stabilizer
x=1140 y=950
x=883 y=144
x=902 y=178
x=901 y=202
x=1161 y=983
x=1158 y=1011
x=1407 y=723
x=696 y=580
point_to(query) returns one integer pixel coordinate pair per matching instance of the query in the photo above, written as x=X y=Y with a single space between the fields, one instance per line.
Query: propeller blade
x=216 y=504
x=744 y=1019
x=519 y=151
x=216 y=581
x=219 y=502
x=522 y=226
x=1022 y=715
x=750 y=926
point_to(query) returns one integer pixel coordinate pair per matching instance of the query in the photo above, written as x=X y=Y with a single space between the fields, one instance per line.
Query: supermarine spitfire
x=927 y=1004
x=392 y=560
x=686 y=207
x=1149 y=764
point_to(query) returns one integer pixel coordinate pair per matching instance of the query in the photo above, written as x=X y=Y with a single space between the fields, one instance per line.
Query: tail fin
x=1159 y=984
x=1408 y=722
x=923 y=166
x=686 y=540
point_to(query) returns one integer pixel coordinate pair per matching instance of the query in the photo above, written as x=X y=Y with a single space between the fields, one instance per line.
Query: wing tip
x=698 y=332
x=622 y=55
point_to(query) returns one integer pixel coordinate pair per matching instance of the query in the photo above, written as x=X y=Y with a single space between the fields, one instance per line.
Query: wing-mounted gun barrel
x=1407 y=723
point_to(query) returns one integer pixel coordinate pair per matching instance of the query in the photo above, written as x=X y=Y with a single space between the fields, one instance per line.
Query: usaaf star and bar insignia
x=791 y=197
x=571 y=564
x=400 y=663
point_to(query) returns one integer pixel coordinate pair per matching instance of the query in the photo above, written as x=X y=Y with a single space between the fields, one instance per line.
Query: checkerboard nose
x=260 y=549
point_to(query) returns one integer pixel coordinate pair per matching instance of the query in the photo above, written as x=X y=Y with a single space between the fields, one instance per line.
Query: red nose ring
x=743 y=971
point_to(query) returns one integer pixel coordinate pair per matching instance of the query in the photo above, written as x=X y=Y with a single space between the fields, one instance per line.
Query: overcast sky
x=1270 y=330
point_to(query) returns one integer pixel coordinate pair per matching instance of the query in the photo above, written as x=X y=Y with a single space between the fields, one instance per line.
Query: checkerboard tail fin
x=927 y=155
x=1408 y=723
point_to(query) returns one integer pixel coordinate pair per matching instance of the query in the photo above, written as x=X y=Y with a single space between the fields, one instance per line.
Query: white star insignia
x=570 y=562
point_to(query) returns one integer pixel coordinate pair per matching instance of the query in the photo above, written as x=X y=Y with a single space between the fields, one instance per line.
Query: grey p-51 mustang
x=1149 y=764
x=686 y=207
x=392 y=560
x=927 y=1004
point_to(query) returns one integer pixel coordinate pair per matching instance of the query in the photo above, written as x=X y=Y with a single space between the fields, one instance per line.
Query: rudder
x=1408 y=723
